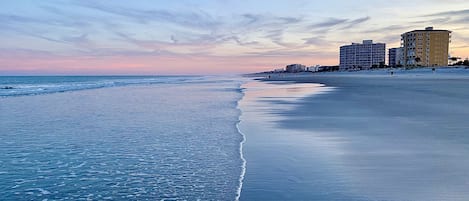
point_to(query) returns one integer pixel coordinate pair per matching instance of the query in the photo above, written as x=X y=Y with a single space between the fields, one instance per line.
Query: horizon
x=204 y=38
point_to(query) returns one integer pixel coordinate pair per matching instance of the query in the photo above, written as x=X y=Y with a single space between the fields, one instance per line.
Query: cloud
x=14 y=52
x=290 y=53
x=463 y=13
x=17 y=25
x=201 y=45
x=463 y=20
x=268 y=20
x=277 y=37
x=198 y=20
x=72 y=19
x=336 y=22
x=356 y=22
x=445 y=18
x=328 y=23
x=290 y=20
x=183 y=32
x=79 y=41
x=242 y=43
x=360 y=20
x=269 y=27
x=174 y=39
x=316 y=41
x=389 y=29
x=251 y=18
x=439 y=20
x=46 y=28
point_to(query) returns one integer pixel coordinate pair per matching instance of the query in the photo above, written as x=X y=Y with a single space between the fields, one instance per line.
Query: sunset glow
x=206 y=37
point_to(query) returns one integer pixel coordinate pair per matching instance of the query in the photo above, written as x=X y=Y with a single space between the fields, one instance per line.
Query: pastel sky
x=206 y=36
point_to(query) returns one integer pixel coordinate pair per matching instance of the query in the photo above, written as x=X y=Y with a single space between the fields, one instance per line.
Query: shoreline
x=241 y=146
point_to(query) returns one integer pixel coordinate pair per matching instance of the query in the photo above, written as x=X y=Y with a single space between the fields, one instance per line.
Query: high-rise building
x=363 y=56
x=427 y=47
x=395 y=57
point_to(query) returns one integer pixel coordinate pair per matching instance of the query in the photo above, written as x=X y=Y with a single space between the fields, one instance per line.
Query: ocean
x=119 y=138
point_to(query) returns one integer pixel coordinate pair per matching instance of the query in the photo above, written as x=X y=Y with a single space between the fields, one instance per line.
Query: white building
x=363 y=56
x=313 y=68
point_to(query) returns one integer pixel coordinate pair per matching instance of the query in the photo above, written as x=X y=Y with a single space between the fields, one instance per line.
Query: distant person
x=433 y=70
x=392 y=73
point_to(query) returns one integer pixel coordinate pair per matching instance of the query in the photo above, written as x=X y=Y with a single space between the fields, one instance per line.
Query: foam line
x=241 y=154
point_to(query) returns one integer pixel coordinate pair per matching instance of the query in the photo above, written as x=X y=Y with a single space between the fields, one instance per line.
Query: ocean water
x=34 y=85
x=359 y=136
x=119 y=138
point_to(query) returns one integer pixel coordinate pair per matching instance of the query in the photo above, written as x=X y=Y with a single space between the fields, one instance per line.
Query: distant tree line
x=460 y=62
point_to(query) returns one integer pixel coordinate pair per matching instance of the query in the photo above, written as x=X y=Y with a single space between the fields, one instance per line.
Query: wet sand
x=372 y=137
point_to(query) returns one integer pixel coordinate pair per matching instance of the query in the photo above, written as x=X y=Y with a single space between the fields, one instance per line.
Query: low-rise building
x=279 y=70
x=295 y=68
x=312 y=68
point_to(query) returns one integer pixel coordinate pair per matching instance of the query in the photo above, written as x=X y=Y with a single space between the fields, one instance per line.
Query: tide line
x=241 y=154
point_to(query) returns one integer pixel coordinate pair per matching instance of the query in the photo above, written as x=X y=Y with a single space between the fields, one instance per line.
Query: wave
x=23 y=86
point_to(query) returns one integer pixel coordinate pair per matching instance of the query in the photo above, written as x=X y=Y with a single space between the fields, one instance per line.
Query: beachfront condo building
x=427 y=47
x=362 y=56
x=395 y=57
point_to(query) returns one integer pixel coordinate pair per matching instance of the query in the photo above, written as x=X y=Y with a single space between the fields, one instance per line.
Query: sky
x=153 y=37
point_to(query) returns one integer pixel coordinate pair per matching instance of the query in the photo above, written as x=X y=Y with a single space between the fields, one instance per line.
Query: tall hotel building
x=427 y=47
x=362 y=56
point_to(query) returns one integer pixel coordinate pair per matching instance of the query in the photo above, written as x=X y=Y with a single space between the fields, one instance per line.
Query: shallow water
x=166 y=141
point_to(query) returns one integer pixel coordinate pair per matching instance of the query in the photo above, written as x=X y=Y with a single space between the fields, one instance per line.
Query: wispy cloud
x=316 y=41
x=83 y=43
x=449 y=13
x=355 y=22
x=390 y=29
x=291 y=53
x=338 y=23
x=446 y=18
x=192 y=19
x=438 y=20
x=328 y=23
x=46 y=28
x=260 y=20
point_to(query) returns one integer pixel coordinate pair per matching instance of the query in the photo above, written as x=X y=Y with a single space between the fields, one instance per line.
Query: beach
x=358 y=136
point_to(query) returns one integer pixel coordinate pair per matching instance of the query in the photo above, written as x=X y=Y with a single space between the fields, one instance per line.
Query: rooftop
x=428 y=29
